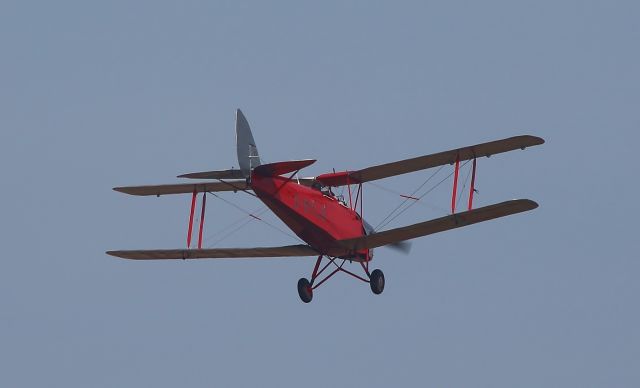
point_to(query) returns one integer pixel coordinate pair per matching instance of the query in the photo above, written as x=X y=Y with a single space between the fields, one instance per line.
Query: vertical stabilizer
x=248 y=157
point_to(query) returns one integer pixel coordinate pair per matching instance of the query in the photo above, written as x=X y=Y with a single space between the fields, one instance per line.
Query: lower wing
x=343 y=247
x=217 y=253
x=439 y=225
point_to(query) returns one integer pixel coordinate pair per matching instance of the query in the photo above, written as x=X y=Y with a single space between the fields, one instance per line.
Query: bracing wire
x=231 y=232
x=399 y=194
x=245 y=219
x=256 y=217
x=420 y=197
x=397 y=208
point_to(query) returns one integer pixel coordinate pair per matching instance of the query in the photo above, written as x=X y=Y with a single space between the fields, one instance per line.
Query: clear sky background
x=100 y=94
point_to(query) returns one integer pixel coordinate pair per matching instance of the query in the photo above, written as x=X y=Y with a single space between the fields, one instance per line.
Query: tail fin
x=248 y=157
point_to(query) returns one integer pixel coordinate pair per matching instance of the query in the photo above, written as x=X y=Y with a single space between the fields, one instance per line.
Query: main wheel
x=376 y=281
x=304 y=290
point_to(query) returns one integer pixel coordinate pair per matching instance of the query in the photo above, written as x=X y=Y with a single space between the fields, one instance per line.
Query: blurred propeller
x=401 y=246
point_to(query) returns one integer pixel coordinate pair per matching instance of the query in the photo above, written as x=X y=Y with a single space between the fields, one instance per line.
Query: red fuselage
x=317 y=218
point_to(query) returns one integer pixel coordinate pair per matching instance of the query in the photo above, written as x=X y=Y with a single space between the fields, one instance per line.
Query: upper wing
x=217 y=253
x=440 y=224
x=183 y=188
x=428 y=161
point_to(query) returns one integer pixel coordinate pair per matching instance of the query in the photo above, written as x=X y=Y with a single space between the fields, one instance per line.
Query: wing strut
x=472 y=189
x=204 y=204
x=455 y=185
x=193 y=208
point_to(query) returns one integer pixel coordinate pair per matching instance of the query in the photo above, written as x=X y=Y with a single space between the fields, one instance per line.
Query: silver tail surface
x=248 y=157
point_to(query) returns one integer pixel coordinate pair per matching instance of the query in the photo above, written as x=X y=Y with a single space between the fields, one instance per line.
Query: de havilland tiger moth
x=332 y=228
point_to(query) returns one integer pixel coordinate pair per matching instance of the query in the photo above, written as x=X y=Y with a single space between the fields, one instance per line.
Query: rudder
x=248 y=157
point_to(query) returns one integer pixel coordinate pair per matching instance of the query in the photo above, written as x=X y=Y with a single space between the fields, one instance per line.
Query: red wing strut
x=217 y=253
x=439 y=224
x=429 y=161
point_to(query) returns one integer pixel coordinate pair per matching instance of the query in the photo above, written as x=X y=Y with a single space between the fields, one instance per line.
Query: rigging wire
x=257 y=218
x=258 y=212
x=397 y=193
x=230 y=233
x=380 y=224
x=420 y=197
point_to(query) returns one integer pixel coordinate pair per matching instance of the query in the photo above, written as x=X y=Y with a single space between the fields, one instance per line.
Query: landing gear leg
x=376 y=281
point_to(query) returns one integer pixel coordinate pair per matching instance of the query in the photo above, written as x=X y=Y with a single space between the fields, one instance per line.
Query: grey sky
x=95 y=95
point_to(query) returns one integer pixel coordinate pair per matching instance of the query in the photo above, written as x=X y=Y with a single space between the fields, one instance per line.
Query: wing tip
x=128 y=190
x=535 y=140
x=525 y=204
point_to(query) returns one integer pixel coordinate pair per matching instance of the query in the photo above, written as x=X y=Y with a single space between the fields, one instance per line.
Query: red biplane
x=332 y=228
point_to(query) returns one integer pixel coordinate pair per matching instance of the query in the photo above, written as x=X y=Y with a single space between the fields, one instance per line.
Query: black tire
x=376 y=281
x=304 y=290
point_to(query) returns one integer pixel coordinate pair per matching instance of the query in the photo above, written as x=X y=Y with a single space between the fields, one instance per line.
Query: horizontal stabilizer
x=222 y=174
x=216 y=253
x=458 y=220
x=279 y=168
x=184 y=188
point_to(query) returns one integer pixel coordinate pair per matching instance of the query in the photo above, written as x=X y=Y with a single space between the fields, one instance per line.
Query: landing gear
x=376 y=281
x=305 y=290
x=306 y=287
